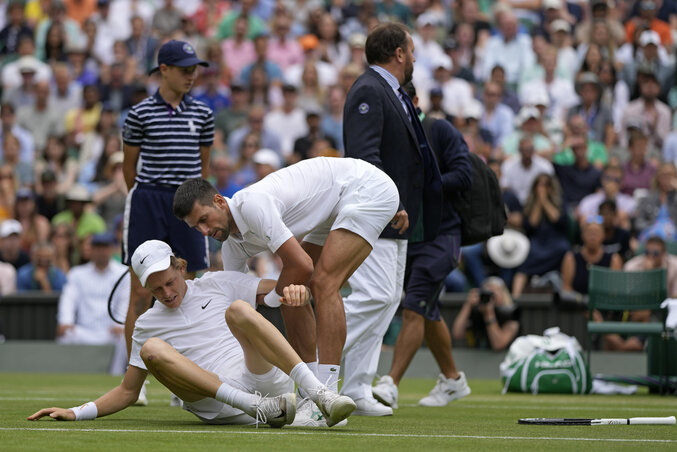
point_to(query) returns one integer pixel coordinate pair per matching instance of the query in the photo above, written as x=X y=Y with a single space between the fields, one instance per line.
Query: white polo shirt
x=288 y=203
x=197 y=328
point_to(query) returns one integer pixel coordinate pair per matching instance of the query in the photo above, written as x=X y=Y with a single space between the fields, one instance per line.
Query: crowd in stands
x=570 y=102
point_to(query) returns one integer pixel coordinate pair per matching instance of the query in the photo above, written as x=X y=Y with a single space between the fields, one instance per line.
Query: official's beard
x=408 y=73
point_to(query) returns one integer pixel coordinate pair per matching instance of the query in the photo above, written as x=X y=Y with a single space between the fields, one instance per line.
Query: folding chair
x=613 y=290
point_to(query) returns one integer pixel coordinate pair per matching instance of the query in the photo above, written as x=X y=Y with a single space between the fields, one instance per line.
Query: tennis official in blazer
x=380 y=126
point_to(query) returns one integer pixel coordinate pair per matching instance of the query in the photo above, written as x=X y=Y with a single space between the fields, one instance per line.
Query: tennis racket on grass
x=670 y=420
x=118 y=300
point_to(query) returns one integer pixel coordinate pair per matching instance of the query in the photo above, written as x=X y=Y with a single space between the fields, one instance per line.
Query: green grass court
x=485 y=420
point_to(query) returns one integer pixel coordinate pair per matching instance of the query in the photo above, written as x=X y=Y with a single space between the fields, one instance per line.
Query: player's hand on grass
x=400 y=221
x=60 y=414
x=295 y=295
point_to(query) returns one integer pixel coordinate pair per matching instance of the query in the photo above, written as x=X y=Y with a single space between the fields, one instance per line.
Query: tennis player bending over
x=218 y=369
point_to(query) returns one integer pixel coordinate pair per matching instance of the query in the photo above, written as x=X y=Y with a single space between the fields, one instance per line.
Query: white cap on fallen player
x=150 y=257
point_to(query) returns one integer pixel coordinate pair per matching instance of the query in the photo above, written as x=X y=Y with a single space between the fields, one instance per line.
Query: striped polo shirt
x=169 y=139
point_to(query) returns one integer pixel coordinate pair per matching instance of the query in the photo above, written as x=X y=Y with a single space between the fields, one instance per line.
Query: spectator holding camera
x=488 y=318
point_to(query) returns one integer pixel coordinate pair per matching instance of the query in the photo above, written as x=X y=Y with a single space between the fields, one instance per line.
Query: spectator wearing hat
x=15 y=29
x=596 y=114
x=83 y=305
x=529 y=122
x=356 y=43
x=544 y=77
x=35 y=227
x=497 y=117
x=26 y=62
x=265 y=162
x=651 y=57
x=560 y=39
x=84 y=222
x=510 y=50
x=41 y=119
x=436 y=108
x=653 y=116
x=647 y=17
x=40 y=274
x=456 y=91
x=288 y=121
x=23 y=94
x=11 y=153
x=10 y=244
x=426 y=48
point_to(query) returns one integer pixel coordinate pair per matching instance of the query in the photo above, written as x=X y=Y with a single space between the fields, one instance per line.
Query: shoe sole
x=289 y=412
x=340 y=411
x=454 y=397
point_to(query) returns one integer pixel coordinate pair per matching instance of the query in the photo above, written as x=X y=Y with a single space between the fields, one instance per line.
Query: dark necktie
x=420 y=135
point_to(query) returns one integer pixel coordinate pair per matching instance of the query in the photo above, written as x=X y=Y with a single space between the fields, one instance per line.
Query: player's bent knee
x=153 y=350
x=239 y=313
x=323 y=285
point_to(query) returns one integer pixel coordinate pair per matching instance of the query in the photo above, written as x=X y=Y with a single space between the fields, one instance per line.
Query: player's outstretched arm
x=115 y=400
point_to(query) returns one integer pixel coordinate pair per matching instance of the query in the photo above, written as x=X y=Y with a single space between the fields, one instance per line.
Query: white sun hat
x=509 y=250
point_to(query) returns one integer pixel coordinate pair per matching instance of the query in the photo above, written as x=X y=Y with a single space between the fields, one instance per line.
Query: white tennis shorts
x=365 y=207
x=211 y=411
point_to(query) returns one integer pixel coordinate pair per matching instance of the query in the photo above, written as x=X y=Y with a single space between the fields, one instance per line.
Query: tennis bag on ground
x=549 y=364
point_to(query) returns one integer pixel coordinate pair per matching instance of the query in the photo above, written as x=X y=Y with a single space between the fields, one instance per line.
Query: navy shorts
x=149 y=215
x=428 y=263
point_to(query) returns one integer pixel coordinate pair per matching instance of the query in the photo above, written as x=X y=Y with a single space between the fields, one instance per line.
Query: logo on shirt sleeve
x=363 y=108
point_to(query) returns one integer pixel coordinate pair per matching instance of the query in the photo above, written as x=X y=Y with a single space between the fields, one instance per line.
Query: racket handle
x=669 y=420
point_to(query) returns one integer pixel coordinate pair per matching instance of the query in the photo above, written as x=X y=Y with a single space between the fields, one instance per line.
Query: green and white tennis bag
x=551 y=363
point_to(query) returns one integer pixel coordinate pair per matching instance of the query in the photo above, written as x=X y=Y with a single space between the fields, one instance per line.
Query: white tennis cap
x=150 y=257
x=10 y=227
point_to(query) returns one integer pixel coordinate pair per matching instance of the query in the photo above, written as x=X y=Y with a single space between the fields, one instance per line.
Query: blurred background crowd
x=570 y=102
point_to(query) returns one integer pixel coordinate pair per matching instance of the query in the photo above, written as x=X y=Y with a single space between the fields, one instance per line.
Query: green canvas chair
x=612 y=290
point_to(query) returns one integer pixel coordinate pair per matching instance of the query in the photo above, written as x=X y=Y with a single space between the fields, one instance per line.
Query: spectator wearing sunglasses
x=576 y=264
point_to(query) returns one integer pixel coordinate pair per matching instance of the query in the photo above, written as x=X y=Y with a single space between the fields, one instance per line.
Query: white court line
x=553 y=406
x=338 y=432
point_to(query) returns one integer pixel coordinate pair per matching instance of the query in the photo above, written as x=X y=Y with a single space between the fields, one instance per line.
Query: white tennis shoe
x=309 y=415
x=276 y=411
x=385 y=391
x=334 y=407
x=446 y=390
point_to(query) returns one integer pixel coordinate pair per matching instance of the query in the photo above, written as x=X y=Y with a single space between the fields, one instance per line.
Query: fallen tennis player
x=219 y=369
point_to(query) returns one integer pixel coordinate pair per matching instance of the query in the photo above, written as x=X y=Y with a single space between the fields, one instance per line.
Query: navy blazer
x=376 y=128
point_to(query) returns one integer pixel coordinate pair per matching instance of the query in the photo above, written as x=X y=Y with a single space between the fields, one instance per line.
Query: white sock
x=328 y=374
x=305 y=379
x=313 y=368
x=236 y=398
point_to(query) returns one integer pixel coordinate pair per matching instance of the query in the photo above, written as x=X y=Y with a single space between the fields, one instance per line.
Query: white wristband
x=85 y=412
x=272 y=299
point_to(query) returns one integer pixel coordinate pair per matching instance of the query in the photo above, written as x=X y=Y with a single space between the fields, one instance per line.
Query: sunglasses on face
x=653 y=253
x=595 y=219
x=613 y=179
